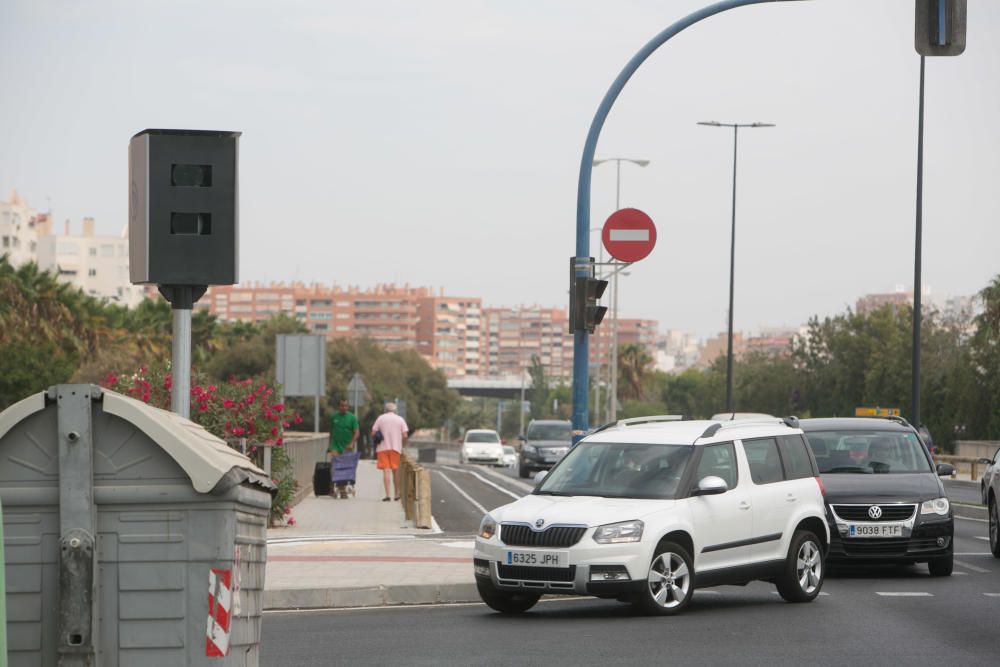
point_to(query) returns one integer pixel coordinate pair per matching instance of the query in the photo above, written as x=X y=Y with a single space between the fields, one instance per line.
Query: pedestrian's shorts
x=388 y=458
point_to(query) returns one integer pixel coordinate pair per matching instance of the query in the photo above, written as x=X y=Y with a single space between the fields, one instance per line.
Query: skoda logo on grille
x=875 y=512
x=539 y=523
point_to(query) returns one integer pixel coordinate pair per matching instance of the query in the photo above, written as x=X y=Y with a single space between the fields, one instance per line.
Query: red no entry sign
x=629 y=235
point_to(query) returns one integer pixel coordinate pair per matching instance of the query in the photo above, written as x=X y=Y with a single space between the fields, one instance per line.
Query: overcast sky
x=437 y=143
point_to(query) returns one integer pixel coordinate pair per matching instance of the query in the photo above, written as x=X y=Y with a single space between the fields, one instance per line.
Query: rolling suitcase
x=321 y=479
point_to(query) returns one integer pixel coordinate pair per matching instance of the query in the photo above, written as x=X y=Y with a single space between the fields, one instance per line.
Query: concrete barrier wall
x=305 y=450
x=976 y=448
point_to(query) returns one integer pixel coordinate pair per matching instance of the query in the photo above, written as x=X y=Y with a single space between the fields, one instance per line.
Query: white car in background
x=509 y=456
x=482 y=446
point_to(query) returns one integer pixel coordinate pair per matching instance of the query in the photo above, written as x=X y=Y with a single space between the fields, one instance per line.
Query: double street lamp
x=613 y=351
x=732 y=255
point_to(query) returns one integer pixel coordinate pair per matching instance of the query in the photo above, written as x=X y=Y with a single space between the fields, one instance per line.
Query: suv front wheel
x=668 y=586
x=804 y=572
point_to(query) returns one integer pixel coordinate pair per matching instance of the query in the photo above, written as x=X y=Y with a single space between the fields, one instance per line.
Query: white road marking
x=980 y=537
x=992 y=595
x=959 y=574
x=488 y=482
x=904 y=594
x=974 y=568
x=969 y=518
x=435 y=528
x=463 y=493
x=973 y=553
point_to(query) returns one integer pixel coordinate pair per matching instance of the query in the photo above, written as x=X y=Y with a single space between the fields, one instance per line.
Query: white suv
x=646 y=512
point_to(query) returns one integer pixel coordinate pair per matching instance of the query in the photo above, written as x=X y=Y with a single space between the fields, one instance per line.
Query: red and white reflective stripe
x=219 y=602
x=629 y=235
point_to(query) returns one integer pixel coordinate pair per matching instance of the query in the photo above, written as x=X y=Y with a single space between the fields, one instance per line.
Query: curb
x=372 y=596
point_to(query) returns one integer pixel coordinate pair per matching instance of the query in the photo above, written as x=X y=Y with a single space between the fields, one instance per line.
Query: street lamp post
x=732 y=255
x=613 y=352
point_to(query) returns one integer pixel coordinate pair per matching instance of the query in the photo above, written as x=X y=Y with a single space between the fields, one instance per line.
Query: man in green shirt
x=343 y=434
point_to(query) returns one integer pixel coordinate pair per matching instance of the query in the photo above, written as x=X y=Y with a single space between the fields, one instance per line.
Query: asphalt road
x=880 y=616
x=873 y=616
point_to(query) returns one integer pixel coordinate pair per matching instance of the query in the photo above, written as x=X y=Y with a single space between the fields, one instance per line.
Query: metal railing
x=964 y=465
x=415 y=490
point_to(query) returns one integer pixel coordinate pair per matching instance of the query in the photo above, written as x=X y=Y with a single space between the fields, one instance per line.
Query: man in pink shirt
x=394 y=432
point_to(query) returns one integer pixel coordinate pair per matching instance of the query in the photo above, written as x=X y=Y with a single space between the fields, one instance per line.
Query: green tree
x=538 y=395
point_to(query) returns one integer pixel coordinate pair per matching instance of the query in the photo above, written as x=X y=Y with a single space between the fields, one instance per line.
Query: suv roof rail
x=790 y=422
x=636 y=421
x=897 y=419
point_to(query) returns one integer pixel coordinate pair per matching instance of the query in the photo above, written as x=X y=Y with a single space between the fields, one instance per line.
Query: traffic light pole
x=581 y=347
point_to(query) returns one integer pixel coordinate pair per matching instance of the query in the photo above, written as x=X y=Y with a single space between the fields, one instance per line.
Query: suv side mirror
x=710 y=486
x=540 y=475
x=986 y=461
x=945 y=470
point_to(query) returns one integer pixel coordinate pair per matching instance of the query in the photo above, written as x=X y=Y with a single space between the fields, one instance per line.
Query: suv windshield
x=618 y=470
x=868 y=452
x=482 y=437
x=550 y=432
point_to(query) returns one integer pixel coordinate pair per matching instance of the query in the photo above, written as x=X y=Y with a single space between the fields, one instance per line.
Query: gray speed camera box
x=183 y=207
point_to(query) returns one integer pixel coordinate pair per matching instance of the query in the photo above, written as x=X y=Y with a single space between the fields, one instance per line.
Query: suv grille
x=526 y=572
x=860 y=512
x=517 y=535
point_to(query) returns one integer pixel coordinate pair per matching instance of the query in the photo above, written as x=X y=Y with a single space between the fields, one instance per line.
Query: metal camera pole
x=182 y=299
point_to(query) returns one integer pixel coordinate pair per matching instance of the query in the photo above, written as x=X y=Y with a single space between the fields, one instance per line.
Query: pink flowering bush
x=235 y=411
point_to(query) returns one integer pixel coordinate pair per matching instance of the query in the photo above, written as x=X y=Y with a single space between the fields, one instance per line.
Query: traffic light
x=585 y=311
x=940 y=27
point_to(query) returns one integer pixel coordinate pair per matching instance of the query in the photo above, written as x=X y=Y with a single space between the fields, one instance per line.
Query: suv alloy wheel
x=668 y=586
x=803 y=576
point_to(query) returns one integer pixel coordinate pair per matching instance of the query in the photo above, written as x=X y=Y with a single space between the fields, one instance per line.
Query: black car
x=544 y=443
x=884 y=499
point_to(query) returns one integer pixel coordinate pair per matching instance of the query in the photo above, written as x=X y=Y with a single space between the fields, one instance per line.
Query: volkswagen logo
x=541 y=522
x=875 y=512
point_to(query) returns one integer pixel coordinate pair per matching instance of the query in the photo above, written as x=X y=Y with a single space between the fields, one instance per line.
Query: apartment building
x=19 y=230
x=511 y=337
x=448 y=333
x=387 y=313
x=98 y=265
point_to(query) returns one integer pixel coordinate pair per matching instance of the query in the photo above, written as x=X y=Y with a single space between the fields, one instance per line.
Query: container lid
x=205 y=458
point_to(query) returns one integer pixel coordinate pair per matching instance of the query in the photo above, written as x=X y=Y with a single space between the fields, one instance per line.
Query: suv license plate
x=537 y=558
x=874 y=530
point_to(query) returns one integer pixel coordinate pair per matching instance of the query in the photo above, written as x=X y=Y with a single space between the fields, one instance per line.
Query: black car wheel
x=505 y=603
x=994 y=528
x=804 y=570
x=941 y=567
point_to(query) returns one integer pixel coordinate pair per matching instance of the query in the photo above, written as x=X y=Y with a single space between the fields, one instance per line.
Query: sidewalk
x=363 y=552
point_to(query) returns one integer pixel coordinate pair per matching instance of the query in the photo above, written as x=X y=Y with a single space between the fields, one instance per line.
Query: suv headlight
x=617 y=533
x=936 y=506
x=487 y=528
x=530 y=449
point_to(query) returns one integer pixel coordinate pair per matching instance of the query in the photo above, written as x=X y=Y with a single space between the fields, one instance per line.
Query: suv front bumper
x=573 y=580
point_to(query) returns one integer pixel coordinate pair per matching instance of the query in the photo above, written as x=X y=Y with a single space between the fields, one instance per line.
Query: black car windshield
x=618 y=470
x=489 y=436
x=550 y=432
x=868 y=452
